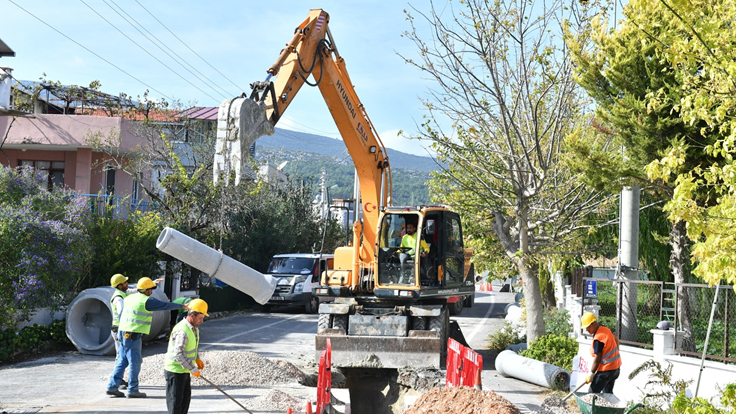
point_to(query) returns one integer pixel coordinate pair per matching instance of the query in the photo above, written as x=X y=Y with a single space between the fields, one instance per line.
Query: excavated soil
x=462 y=400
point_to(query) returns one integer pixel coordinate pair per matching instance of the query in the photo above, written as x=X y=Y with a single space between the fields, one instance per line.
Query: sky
x=228 y=44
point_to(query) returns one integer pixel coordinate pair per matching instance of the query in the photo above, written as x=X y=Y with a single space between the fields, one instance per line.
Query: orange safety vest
x=611 y=358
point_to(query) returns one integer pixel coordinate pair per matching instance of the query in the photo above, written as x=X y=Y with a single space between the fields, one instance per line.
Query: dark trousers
x=603 y=381
x=178 y=392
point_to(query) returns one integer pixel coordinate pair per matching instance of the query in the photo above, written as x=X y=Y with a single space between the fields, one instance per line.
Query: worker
x=410 y=241
x=182 y=358
x=135 y=321
x=120 y=283
x=606 y=357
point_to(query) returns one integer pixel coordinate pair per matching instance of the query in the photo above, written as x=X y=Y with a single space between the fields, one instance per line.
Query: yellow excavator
x=406 y=268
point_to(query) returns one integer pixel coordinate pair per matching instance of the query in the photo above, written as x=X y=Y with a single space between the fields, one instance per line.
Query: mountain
x=303 y=142
x=309 y=154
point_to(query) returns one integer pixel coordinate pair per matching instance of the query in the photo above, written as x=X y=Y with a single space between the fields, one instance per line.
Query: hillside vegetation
x=307 y=155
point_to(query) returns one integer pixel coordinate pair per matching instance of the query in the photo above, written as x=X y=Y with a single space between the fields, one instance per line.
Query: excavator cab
x=432 y=257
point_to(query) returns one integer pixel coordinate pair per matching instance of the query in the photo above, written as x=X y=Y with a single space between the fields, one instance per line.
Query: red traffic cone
x=490 y=287
x=289 y=411
x=309 y=407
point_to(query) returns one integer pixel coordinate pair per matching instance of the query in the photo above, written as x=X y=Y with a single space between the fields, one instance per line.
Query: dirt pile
x=461 y=400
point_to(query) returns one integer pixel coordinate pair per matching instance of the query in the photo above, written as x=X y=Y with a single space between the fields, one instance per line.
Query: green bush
x=32 y=339
x=557 y=322
x=553 y=349
x=498 y=341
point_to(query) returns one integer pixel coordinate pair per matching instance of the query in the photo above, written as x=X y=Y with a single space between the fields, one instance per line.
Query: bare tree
x=505 y=81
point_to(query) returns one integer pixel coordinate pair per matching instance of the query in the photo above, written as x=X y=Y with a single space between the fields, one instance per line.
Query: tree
x=274 y=219
x=504 y=79
x=622 y=70
x=699 y=46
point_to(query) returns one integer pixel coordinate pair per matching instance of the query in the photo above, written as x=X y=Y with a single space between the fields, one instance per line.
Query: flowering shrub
x=43 y=245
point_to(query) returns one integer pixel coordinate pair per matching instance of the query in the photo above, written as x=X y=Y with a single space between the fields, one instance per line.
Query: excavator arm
x=312 y=54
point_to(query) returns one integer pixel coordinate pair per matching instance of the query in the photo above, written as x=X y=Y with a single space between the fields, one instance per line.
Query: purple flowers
x=44 y=249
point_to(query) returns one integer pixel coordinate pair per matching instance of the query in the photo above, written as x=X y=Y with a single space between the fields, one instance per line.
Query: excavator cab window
x=395 y=263
x=454 y=251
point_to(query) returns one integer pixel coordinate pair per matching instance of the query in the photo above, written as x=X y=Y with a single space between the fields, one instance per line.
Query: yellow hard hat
x=198 y=305
x=587 y=319
x=145 y=283
x=117 y=279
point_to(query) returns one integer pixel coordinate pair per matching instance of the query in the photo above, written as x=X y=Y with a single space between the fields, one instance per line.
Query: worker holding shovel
x=606 y=357
x=182 y=359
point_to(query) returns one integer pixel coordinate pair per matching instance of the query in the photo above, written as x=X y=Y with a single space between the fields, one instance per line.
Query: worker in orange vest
x=606 y=357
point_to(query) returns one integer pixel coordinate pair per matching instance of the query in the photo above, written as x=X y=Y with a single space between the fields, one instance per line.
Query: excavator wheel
x=456 y=307
x=340 y=322
x=419 y=323
x=324 y=322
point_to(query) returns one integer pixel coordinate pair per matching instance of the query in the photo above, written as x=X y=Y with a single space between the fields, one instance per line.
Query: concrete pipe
x=89 y=320
x=217 y=265
x=509 y=364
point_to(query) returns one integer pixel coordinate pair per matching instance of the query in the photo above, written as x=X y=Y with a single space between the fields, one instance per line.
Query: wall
x=714 y=375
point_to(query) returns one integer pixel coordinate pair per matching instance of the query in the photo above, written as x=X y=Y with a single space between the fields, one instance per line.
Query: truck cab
x=296 y=275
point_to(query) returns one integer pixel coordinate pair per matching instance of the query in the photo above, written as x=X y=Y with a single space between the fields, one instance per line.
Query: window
x=54 y=171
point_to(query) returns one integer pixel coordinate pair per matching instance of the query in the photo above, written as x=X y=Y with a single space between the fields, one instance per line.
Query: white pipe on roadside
x=510 y=364
x=216 y=264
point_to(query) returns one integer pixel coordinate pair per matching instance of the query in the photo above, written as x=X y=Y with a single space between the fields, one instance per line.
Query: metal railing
x=116 y=206
x=641 y=310
x=631 y=308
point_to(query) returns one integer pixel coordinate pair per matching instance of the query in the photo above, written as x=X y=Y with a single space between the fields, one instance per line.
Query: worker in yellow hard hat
x=182 y=358
x=120 y=283
x=135 y=321
x=606 y=357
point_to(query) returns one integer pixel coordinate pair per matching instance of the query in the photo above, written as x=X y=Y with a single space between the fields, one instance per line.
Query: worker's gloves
x=197 y=374
x=589 y=379
x=200 y=363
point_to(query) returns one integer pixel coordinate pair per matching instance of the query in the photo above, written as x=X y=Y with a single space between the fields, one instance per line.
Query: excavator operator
x=410 y=241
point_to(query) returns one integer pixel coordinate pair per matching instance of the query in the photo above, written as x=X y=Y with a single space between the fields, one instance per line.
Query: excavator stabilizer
x=350 y=351
x=240 y=122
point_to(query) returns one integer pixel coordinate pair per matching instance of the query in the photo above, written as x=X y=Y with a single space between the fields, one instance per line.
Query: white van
x=296 y=275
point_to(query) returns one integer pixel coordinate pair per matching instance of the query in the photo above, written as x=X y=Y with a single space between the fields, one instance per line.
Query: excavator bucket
x=421 y=349
x=240 y=122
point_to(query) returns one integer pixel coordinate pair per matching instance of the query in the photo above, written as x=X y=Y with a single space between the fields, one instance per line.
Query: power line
x=90 y=51
x=182 y=42
x=181 y=61
x=149 y=53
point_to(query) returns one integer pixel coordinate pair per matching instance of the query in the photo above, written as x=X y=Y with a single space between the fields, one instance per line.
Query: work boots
x=136 y=395
x=115 y=393
x=124 y=385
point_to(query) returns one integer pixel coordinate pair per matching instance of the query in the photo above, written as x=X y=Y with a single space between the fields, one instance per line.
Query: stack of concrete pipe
x=89 y=320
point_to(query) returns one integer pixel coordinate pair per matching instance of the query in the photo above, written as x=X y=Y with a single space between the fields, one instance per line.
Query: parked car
x=297 y=274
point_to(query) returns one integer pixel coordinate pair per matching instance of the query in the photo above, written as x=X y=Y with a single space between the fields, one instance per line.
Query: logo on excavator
x=369 y=207
x=345 y=98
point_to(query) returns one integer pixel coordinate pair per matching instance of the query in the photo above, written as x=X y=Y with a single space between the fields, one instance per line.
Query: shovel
x=574 y=391
x=226 y=394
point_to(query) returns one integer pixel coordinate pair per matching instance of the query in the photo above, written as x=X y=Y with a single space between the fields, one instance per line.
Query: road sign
x=591 y=288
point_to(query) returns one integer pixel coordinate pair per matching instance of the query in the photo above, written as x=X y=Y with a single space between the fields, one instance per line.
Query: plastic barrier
x=463 y=365
x=324 y=378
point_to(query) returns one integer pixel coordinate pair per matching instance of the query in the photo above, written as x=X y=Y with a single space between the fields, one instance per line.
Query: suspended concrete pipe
x=217 y=265
x=89 y=320
x=509 y=364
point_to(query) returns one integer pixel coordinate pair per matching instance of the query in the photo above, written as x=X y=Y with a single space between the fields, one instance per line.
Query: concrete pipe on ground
x=217 y=265
x=89 y=320
x=509 y=364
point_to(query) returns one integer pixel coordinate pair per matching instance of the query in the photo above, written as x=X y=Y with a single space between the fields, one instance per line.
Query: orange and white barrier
x=463 y=366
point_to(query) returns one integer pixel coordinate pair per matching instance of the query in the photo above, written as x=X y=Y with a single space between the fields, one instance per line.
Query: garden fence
x=631 y=308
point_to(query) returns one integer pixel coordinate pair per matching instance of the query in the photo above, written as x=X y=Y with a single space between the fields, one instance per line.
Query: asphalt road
x=75 y=383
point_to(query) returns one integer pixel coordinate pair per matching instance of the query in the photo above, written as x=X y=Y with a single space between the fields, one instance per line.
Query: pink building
x=59 y=144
